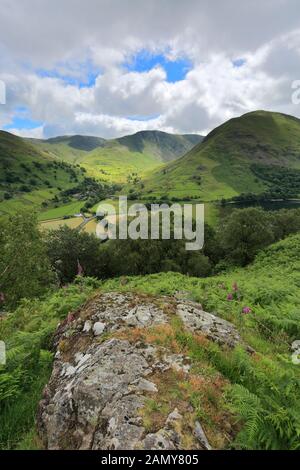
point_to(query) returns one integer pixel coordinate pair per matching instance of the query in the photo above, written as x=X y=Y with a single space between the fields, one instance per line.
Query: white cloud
x=77 y=39
x=35 y=133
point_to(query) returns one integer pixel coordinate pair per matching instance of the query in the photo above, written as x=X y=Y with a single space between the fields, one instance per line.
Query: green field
x=116 y=159
x=254 y=154
x=221 y=166
x=28 y=177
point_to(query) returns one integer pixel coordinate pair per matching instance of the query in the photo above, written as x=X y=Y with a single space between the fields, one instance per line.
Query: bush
x=245 y=232
x=24 y=265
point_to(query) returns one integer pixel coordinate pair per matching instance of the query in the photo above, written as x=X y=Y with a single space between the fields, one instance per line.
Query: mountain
x=166 y=147
x=257 y=152
x=78 y=142
x=115 y=159
x=29 y=176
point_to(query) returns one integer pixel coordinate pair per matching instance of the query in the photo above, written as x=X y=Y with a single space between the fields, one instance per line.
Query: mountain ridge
x=222 y=165
x=134 y=142
x=116 y=159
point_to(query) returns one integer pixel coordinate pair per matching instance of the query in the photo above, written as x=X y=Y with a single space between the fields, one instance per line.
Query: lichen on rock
x=116 y=385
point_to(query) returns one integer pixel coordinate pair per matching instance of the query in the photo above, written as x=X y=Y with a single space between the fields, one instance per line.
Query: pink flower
x=70 y=317
x=229 y=297
x=246 y=310
x=79 y=269
x=235 y=287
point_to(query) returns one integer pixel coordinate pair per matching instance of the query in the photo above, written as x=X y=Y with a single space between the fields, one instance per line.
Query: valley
x=249 y=159
x=219 y=322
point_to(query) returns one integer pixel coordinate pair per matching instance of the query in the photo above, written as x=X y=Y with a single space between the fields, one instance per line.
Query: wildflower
x=246 y=310
x=70 y=317
x=235 y=287
x=229 y=297
x=79 y=269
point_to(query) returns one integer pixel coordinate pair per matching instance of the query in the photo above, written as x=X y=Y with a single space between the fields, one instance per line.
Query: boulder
x=108 y=371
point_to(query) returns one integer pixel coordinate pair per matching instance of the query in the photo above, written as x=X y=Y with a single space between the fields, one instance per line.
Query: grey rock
x=98 y=328
x=213 y=327
x=87 y=326
x=162 y=440
x=200 y=434
x=173 y=418
x=97 y=391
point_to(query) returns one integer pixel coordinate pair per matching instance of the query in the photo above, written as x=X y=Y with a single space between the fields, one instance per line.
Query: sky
x=114 y=67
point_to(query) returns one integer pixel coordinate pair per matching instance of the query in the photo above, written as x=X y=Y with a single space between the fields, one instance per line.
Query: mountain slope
x=28 y=176
x=166 y=147
x=251 y=153
x=115 y=159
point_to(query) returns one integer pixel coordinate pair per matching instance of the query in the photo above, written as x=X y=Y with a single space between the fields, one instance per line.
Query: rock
x=98 y=391
x=199 y=433
x=147 y=386
x=87 y=326
x=162 y=440
x=173 y=418
x=213 y=327
x=98 y=328
x=144 y=385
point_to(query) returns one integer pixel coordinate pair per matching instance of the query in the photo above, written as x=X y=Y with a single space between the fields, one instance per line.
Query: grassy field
x=28 y=177
x=116 y=163
x=61 y=211
x=116 y=159
x=111 y=163
x=54 y=224
x=220 y=167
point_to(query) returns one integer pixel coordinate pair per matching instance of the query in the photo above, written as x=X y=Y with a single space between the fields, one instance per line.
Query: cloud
x=35 y=133
x=66 y=63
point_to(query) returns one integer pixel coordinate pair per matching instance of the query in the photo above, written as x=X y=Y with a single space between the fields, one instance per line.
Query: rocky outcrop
x=115 y=369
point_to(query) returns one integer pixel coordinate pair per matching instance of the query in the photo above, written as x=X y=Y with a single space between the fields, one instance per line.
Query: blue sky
x=86 y=81
x=239 y=62
x=85 y=74
x=82 y=74
x=221 y=68
x=144 y=61
x=22 y=120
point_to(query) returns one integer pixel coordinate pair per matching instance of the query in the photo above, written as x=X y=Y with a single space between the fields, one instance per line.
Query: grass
x=61 y=211
x=220 y=167
x=54 y=224
x=28 y=176
x=251 y=396
x=264 y=387
x=27 y=333
x=114 y=160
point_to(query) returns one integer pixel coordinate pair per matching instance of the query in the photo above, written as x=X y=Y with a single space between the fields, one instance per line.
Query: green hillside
x=28 y=177
x=116 y=159
x=254 y=153
x=255 y=390
x=166 y=147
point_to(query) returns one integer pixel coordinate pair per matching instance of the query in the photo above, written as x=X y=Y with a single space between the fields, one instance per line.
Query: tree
x=24 y=265
x=199 y=265
x=286 y=221
x=67 y=247
x=244 y=233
